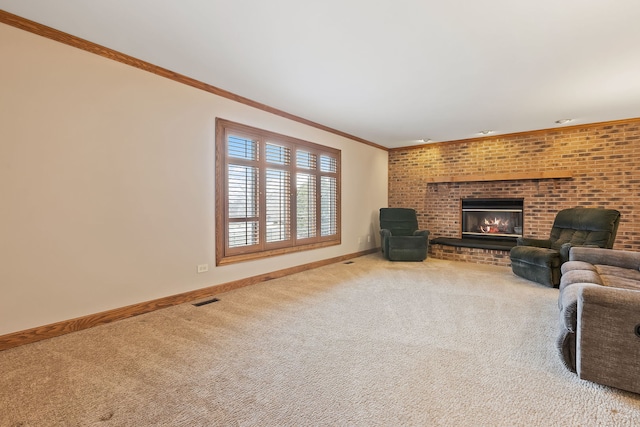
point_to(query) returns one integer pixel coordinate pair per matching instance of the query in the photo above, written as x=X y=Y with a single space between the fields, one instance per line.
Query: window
x=274 y=194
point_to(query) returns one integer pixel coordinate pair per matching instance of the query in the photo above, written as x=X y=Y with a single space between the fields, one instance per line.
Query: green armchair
x=540 y=260
x=401 y=239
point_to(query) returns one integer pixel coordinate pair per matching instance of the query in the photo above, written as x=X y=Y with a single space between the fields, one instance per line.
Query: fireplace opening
x=492 y=219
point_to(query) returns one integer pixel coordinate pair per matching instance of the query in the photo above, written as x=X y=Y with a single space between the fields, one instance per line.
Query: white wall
x=107 y=184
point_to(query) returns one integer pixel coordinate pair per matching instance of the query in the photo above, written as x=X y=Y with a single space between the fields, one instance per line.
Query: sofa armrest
x=565 y=250
x=540 y=243
x=608 y=337
x=616 y=258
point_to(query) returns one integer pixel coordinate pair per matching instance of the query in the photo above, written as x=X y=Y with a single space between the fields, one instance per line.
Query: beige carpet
x=372 y=343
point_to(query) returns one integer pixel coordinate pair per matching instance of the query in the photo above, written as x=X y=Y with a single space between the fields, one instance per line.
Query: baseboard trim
x=39 y=333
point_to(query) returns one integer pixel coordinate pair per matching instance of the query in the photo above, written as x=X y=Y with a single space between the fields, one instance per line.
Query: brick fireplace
x=590 y=166
x=491 y=219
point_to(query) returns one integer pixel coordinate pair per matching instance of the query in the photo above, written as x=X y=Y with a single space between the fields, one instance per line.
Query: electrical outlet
x=359 y=240
x=369 y=238
x=202 y=268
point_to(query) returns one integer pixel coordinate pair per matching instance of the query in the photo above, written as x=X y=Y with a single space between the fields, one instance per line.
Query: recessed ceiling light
x=563 y=121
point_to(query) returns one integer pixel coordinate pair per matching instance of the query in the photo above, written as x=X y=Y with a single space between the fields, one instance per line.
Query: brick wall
x=604 y=160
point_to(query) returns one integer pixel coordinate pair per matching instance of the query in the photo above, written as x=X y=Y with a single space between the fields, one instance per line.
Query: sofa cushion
x=611 y=270
x=576 y=265
x=580 y=276
x=618 y=277
x=620 y=282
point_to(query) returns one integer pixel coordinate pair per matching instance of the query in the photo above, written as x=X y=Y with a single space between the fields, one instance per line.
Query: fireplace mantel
x=554 y=174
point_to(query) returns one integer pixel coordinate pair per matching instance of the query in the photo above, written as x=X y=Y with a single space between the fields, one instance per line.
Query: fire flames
x=495 y=225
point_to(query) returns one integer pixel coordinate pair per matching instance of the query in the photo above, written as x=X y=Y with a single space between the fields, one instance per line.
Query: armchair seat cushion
x=407 y=248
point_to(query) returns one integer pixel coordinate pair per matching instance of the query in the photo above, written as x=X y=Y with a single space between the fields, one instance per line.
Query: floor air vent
x=209 y=301
x=349 y=262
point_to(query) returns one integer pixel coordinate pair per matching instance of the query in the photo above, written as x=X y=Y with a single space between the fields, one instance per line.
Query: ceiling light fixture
x=563 y=121
x=485 y=132
x=427 y=140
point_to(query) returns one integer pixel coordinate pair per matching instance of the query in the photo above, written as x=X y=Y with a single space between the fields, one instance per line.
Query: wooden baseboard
x=60 y=328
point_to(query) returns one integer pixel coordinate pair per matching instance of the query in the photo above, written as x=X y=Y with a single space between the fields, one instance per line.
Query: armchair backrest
x=400 y=221
x=585 y=226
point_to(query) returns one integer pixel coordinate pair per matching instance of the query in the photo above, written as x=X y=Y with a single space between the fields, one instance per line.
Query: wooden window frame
x=226 y=254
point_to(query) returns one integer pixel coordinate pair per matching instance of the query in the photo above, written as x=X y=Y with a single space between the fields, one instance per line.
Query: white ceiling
x=390 y=72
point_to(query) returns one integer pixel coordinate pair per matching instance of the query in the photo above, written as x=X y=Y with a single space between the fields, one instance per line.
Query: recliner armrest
x=424 y=233
x=384 y=239
x=540 y=243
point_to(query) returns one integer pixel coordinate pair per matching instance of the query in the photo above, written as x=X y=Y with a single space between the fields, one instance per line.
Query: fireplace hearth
x=492 y=219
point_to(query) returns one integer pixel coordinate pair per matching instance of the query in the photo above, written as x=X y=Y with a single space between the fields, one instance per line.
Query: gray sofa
x=599 y=305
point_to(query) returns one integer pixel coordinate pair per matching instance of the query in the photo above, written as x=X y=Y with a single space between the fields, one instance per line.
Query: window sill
x=232 y=259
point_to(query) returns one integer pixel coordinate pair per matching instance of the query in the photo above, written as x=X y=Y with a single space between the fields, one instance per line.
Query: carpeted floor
x=368 y=343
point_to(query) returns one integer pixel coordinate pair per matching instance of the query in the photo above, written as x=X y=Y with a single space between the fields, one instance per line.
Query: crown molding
x=563 y=129
x=70 y=40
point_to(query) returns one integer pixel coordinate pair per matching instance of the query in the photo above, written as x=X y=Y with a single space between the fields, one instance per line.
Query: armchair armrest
x=616 y=258
x=540 y=243
x=424 y=233
x=608 y=339
x=384 y=239
x=385 y=233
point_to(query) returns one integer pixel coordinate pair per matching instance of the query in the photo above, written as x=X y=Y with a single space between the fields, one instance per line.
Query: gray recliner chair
x=540 y=260
x=401 y=239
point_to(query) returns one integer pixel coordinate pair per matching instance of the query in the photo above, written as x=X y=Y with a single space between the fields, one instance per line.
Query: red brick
x=605 y=161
